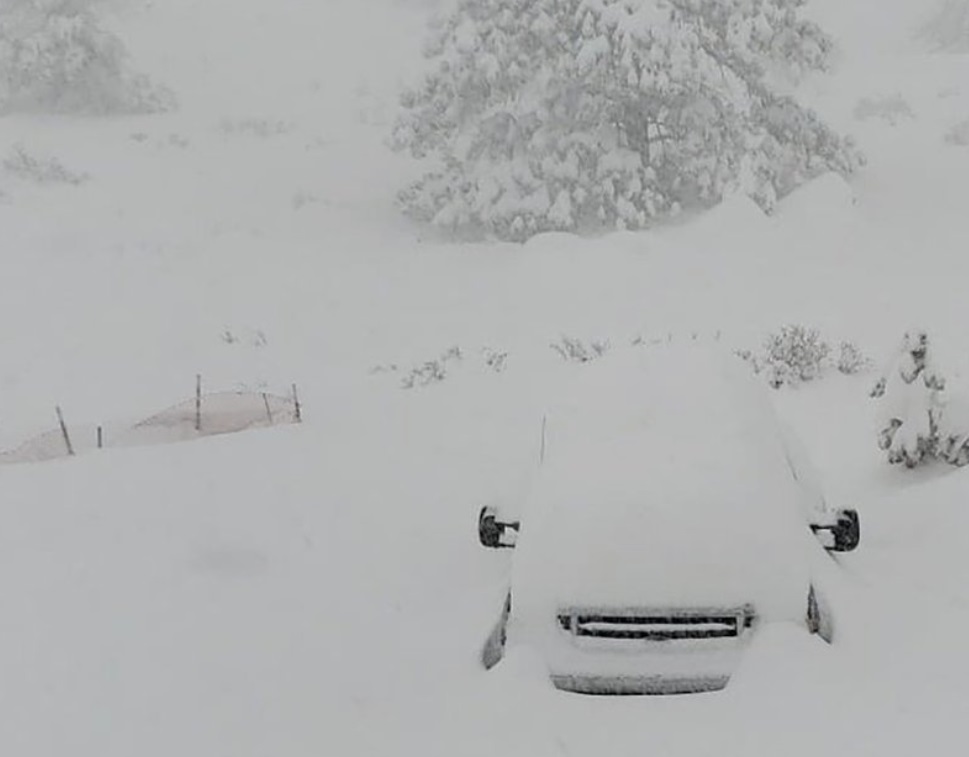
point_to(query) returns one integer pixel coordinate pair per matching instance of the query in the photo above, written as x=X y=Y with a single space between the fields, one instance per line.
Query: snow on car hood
x=690 y=502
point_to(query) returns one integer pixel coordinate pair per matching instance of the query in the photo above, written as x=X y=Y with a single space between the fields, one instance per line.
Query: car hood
x=664 y=523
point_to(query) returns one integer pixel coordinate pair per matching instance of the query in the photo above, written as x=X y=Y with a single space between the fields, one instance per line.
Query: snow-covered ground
x=318 y=589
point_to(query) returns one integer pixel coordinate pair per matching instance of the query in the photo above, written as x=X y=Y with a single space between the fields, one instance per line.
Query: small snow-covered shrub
x=570 y=115
x=302 y=198
x=56 y=56
x=891 y=108
x=574 y=350
x=851 y=359
x=437 y=369
x=173 y=140
x=250 y=337
x=912 y=396
x=750 y=358
x=642 y=341
x=254 y=127
x=24 y=165
x=793 y=355
x=958 y=134
x=432 y=371
x=496 y=360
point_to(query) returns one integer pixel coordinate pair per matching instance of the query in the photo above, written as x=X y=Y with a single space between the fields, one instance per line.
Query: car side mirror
x=843 y=535
x=494 y=533
x=847 y=531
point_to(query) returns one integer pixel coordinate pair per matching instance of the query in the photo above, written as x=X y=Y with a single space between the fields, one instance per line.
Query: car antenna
x=541 y=456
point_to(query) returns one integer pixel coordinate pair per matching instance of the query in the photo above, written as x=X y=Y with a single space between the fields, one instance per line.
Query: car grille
x=657 y=625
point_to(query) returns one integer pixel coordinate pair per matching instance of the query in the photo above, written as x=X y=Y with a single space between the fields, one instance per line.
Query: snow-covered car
x=670 y=518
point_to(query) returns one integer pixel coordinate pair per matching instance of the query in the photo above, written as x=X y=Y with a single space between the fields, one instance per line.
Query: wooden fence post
x=198 y=401
x=67 y=437
x=269 y=412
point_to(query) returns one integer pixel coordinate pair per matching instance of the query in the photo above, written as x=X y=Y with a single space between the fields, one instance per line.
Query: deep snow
x=318 y=589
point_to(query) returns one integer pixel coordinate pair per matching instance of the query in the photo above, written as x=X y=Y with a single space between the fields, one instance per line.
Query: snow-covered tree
x=56 y=56
x=912 y=388
x=948 y=27
x=568 y=114
x=922 y=418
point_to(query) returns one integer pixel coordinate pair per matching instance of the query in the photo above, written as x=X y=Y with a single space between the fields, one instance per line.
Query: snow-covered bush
x=750 y=358
x=546 y=115
x=437 y=369
x=250 y=337
x=302 y=198
x=793 y=355
x=42 y=170
x=255 y=127
x=959 y=134
x=911 y=390
x=496 y=360
x=432 y=371
x=851 y=359
x=921 y=417
x=891 y=109
x=55 y=56
x=574 y=350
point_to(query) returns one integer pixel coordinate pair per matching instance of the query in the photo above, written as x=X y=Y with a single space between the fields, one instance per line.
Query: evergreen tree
x=569 y=114
x=55 y=56
x=913 y=404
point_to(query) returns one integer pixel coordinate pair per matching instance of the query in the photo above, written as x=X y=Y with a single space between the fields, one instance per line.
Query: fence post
x=100 y=438
x=299 y=409
x=67 y=437
x=198 y=401
x=269 y=412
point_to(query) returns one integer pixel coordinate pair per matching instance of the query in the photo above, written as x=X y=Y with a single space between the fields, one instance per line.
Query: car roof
x=666 y=390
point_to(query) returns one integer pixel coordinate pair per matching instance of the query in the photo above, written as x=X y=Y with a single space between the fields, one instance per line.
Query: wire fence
x=207 y=414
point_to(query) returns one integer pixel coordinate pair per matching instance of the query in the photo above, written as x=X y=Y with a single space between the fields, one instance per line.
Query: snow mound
x=827 y=195
x=783 y=657
x=523 y=670
x=737 y=214
x=553 y=241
